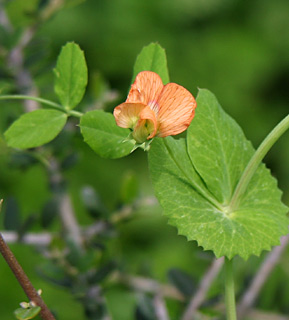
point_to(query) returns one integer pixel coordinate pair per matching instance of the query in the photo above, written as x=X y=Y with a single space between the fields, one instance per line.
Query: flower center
x=143 y=130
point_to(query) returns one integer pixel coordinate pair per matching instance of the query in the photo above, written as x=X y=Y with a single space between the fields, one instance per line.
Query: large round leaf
x=195 y=179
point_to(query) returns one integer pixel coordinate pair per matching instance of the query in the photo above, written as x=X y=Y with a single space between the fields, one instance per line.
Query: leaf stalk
x=48 y=103
x=230 y=290
x=258 y=156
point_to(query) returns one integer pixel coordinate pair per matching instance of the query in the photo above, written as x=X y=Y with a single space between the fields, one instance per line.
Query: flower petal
x=127 y=114
x=146 y=88
x=176 y=110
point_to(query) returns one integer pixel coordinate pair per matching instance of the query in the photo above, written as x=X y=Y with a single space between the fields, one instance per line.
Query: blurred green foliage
x=237 y=49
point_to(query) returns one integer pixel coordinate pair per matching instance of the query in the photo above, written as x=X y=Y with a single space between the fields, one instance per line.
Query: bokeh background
x=237 y=49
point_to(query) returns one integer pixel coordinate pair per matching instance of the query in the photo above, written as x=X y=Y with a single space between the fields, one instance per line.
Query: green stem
x=258 y=156
x=230 y=291
x=74 y=113
x=49 y=103
x=40 y=100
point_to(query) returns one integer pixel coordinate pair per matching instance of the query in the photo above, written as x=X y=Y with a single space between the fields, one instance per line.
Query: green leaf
x=102 y=134
x=49 y=213
x=70 y=75
x=194 y=181
x=152 y=58
x=35 y=128
x=217 y=147
x=26 y=314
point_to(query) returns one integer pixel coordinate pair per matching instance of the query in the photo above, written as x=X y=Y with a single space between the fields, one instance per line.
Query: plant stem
x=229 y=290
x=200 y=295
x=49 y=103
x=23 y=280
x=40 y=100
x=258 y=156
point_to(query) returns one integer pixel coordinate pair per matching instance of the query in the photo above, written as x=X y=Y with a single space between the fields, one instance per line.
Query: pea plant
x=210 y=182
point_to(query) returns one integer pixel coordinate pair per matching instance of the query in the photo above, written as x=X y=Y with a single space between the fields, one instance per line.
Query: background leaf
x=152 y=58
x=22 y=13
x=70 y=75
x=180 y=178
x=182 y=281
x=102 y=134
x=12 y=215
x=35 y=128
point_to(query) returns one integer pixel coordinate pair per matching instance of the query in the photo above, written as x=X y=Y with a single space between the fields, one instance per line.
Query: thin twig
x=16 y=57
x=261 y=315
x=266 y=268
x=149 y=285
x=4 y=21
x=205 y=284
x=31 y=238
x=160 y=307
x=67 y=215
x=69 y=221
x=21 y=74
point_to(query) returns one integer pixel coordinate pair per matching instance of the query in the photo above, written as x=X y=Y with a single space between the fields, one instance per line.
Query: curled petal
x=146 y=88
x=127 y=114
x=176 y=110
x=149 y=115
x=146 y=127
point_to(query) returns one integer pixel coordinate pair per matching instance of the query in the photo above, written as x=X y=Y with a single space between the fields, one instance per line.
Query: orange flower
x=155 y=110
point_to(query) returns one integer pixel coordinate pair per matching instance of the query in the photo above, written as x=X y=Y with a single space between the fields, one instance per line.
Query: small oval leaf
x=35 y=128
x=152 y=58
x=102 y=134
x=70 y=75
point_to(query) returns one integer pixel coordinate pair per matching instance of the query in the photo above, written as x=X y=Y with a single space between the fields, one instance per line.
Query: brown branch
x=22 y=278
x=24 y=281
